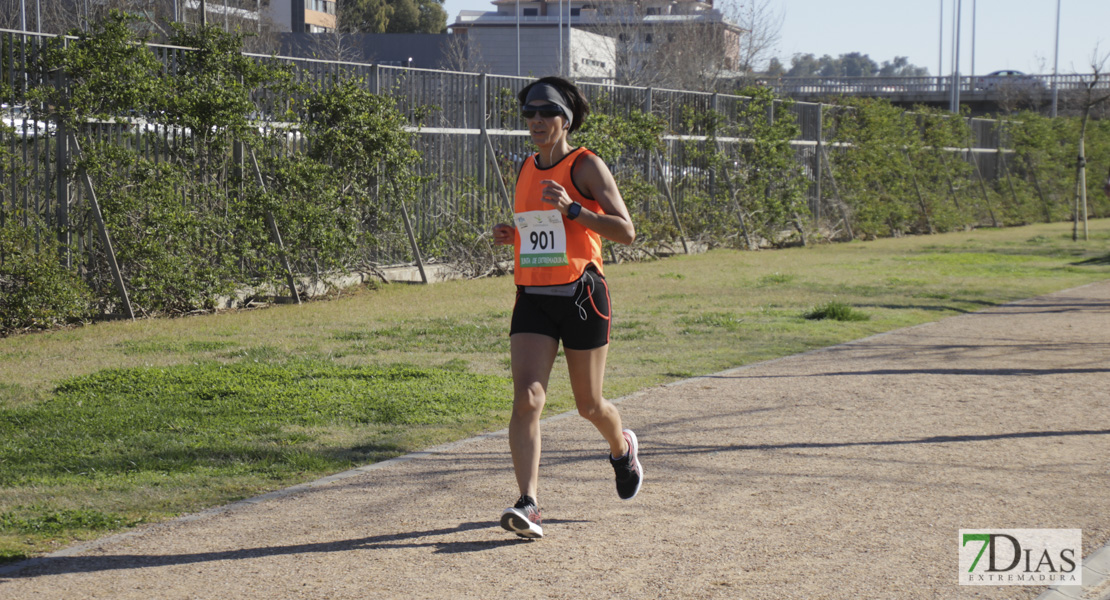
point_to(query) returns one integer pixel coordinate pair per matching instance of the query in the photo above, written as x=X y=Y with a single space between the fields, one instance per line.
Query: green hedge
x=191 y=227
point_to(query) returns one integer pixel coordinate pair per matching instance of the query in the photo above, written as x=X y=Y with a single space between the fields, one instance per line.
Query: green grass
x=837 y=311
x=225 y=419
x=107 y=426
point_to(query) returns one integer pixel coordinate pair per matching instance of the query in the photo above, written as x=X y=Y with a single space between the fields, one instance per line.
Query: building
x=645 y=34
x=229 y=14
x=302 y=16
x=576 y=53
x=416 y=50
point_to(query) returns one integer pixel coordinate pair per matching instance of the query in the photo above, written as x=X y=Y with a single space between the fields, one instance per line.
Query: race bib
x=543 y=239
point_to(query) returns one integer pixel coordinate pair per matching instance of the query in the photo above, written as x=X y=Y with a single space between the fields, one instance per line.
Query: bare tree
x=458 y=55
x=58 y=16
x=337 y=45
x=1095 y=95
x=762 y=26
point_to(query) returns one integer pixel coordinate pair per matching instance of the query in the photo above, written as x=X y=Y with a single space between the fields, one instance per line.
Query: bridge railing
x=872 y=86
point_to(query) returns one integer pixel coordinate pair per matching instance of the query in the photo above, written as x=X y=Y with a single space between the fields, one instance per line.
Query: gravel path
x=842 y=473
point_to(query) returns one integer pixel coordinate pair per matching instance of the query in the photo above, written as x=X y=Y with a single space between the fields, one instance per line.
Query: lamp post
x=562 y=72
x=973 y=11
x=940 y=47
x=518 y=38
x=955 y=106
x=1056 y=62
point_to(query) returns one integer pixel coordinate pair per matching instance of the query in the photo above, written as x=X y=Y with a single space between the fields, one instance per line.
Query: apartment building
x=302 y=16
x=639 y=29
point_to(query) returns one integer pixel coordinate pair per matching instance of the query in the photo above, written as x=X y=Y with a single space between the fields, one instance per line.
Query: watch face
x=574 y=210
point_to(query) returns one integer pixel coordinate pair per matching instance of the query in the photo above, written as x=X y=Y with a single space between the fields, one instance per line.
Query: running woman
x=566 y=201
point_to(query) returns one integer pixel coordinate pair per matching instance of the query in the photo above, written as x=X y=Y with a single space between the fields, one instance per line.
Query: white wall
x=494 y=50
x=592 y=55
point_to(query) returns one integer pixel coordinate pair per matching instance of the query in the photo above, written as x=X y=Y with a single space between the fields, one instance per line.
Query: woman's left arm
x=594 y=177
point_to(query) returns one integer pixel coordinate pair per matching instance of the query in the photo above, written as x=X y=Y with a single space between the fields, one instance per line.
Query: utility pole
x=561 y=38
x=973 y=11
x=940 y=46
x=1056 y=62
x=955 y=107
x=518 y=38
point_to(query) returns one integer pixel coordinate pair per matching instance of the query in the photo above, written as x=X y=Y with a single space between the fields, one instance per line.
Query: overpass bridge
x=982 y=93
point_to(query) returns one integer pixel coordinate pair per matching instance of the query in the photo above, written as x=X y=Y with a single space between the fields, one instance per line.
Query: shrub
x=837 y=311
x=36 y=290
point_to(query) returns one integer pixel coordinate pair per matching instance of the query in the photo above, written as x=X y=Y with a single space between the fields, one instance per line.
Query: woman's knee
x=592 y=409
x=529 y=399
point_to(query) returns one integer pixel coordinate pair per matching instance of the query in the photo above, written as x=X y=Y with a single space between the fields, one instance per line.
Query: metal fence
x=466 y=125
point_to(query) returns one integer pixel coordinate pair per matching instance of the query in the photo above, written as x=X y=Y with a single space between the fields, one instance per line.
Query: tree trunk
x=1081 y=180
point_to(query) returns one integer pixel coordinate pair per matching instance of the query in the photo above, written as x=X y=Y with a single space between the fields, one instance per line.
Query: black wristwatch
x=574 y=210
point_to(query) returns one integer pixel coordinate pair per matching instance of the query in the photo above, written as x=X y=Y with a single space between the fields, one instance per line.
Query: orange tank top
x=549 y=248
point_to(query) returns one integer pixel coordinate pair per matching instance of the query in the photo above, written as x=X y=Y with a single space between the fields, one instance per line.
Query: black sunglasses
x=546 y=111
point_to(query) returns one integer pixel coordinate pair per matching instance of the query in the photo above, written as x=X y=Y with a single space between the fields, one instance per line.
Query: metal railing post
x=817 y=157
x=483 y=112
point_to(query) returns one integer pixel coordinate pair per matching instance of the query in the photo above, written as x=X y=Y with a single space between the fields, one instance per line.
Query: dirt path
x=842 y=473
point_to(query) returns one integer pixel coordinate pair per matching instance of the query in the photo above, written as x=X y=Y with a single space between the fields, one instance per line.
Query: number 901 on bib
x=543 y=238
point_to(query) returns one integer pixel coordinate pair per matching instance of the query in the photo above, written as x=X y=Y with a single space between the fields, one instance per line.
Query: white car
x=17 y=117
x=1008 y=80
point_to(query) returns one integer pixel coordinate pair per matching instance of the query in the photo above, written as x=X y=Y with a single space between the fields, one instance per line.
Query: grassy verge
x=105 y=427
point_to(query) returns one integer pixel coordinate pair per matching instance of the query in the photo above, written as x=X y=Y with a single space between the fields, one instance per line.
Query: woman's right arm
x=504 y=235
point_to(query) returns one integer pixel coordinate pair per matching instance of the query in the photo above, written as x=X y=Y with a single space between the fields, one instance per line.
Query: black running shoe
x=630 y=475
x=523 y=518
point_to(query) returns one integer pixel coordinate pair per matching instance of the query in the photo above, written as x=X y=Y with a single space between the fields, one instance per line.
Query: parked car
x=17 y=117
x=1008 y=79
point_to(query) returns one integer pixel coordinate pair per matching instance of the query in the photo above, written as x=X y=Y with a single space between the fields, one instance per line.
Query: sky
x=1009 y=34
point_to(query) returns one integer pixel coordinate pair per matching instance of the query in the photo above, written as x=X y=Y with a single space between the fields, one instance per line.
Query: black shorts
x=581 y=321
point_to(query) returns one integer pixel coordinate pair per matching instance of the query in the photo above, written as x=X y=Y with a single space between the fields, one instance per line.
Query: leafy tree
x=872 y=175
x=901 y=67
x=852 y=64
x=775 y=68
x=856 y=65
x=828 y=66
x=767 y=182
x=803 y=65
x=392 y=16
x=110 y=73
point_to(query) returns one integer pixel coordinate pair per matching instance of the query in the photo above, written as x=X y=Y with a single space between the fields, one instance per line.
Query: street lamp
x=973 y=11
x=1056 y=61
x=940 y=48
x=955 y=107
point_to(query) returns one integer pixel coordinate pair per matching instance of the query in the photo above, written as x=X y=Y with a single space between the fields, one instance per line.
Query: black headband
x=552 y=94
